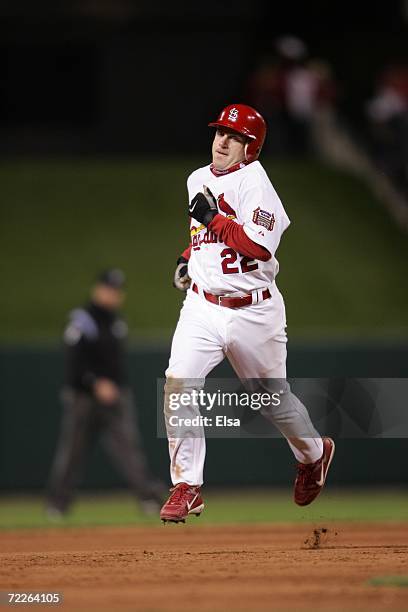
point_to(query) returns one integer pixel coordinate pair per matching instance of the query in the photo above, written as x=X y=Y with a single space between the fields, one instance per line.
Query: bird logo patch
x=263 y=218
x=225 y=207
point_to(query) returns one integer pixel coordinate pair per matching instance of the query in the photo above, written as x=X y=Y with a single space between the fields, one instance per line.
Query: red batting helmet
x=246 y=121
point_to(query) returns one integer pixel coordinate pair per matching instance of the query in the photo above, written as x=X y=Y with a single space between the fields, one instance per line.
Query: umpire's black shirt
x=94 y=341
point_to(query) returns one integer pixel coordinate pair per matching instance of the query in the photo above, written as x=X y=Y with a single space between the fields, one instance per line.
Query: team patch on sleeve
x=263 y=218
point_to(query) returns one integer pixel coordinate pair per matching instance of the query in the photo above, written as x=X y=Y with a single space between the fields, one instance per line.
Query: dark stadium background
x=124 y=76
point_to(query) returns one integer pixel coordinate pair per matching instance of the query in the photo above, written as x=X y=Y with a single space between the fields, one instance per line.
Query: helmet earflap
x=252 y=151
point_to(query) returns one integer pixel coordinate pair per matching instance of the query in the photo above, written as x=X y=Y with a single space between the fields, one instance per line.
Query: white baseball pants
x=253 y=338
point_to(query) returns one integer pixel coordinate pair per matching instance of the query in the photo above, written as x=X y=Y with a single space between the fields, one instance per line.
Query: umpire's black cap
x=114 y=277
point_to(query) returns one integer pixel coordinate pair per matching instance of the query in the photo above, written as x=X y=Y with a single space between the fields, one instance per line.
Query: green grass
x=391 y=581
x=343 y=262
x=246 y=506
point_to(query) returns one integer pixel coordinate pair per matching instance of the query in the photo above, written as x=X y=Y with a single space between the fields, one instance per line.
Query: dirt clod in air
x=317 y=539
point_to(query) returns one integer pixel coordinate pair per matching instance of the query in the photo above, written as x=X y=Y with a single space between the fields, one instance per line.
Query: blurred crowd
x=290 y=89
x=299 y=97
x=387 y=113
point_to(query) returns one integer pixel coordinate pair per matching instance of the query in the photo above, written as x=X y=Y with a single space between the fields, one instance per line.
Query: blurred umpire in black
x=98 y=401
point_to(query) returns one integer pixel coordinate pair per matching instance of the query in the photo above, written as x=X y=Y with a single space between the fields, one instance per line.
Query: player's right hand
x=181 y=279
x=203 y=207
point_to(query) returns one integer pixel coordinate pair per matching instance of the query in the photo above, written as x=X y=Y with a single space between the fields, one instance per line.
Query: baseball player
x=233 y=307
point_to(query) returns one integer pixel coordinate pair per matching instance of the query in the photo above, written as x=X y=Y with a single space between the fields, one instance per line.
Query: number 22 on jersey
x=231 y=265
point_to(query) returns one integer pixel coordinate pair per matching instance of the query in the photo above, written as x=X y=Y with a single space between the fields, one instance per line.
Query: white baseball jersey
x=248 y=197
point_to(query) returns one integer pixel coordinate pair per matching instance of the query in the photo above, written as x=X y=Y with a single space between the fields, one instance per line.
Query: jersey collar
x=233 y=168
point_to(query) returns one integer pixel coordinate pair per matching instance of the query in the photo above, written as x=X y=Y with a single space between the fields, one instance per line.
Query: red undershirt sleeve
x=186 y=253
x=234 y=236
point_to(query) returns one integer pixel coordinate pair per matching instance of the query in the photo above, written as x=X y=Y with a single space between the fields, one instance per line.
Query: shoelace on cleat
x=304 y=472
x=178 y=494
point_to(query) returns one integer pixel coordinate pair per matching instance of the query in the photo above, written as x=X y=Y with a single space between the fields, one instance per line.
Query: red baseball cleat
x=185 y=499
x=311 y=477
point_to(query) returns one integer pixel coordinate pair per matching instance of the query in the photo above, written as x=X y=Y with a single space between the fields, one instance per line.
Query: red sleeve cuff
x=186 y=253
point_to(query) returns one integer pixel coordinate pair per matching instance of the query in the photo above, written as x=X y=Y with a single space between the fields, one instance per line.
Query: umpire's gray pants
x=83 y=421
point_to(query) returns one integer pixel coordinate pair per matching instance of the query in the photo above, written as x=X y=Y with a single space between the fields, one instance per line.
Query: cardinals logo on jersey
x=264 y=218
x=225 y=207
x=198 y=239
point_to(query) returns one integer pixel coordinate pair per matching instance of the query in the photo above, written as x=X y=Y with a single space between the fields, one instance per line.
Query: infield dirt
x=205 y=568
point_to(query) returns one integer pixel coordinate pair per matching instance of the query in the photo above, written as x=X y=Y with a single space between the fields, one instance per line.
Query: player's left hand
x=203 y=207
x=181 y=280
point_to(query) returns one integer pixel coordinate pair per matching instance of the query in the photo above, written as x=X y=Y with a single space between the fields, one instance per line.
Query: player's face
x=228 y=148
